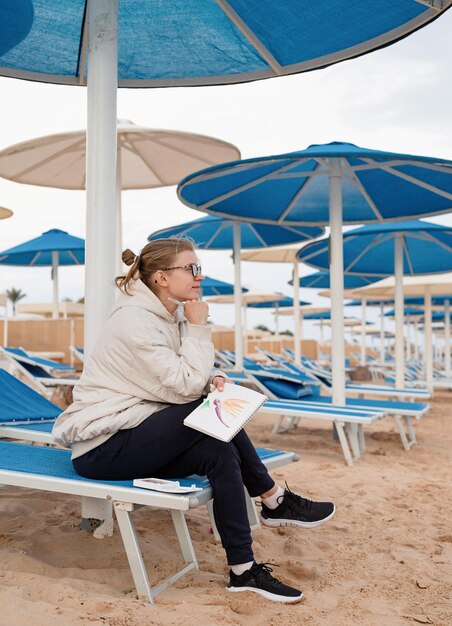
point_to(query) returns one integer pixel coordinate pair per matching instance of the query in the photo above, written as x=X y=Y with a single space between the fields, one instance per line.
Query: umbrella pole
x=56 y=297
x=447 y=337
x=337 y=285
x=296 y=312
x=428 y=356
x=399 y=304
x=236 y=227
x=382 y=332
x=416 y=345
x=363 y=332
x=5 y=328
x=118 y=223
x=101 y=137
x=102 y=81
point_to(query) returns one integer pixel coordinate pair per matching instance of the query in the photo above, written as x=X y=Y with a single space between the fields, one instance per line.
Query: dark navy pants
x=162 y=446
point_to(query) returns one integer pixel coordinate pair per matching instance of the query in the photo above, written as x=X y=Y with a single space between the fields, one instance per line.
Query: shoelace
x=295 y=500
x=265 y=569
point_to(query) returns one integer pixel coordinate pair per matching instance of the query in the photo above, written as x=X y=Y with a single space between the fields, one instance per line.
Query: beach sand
x=384 y=560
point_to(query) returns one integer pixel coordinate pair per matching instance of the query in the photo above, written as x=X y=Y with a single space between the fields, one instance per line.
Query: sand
x=384 y=560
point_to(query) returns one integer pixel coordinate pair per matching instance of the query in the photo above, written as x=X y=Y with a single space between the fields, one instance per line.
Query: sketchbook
x=223 y=413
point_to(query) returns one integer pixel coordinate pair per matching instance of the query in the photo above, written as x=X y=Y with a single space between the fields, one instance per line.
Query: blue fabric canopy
x=406 y=311
x=293 y=189
x=213 y=233
x=38 y=251
x=277 y=304
x=427 y=248
x=214 y=287
x=19 y=403
x=321 y=280
x=189 y=42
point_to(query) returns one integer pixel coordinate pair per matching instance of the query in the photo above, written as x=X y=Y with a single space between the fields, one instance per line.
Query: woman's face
x=182 y=285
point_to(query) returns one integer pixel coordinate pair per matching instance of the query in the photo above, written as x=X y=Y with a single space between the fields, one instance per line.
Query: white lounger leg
x=97 y=509
x=410 y=440
x=344 y=443
x=135 y=558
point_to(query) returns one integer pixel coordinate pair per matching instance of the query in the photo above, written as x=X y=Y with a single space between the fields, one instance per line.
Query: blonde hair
x=156 y=255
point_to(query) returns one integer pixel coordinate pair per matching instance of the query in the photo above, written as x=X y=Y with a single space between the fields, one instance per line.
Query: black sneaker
x=294 y=510
x=260 y=580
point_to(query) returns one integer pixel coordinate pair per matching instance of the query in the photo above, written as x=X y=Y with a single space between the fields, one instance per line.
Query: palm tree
x=15 y=295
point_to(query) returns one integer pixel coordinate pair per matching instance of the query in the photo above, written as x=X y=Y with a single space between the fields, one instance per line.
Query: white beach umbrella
x=426 y=286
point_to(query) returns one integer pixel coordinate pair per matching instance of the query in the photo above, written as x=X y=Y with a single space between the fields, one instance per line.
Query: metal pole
x=337 y=284
x=447 y=363
x=416 y=339
x=382 y=332
x=399 y=348
x=102 y=84
x=296 y=312
x=118 y=222
x=428 y=356
x=101 y=138
x=56 y=297
x=363 y=331
x=236 y=228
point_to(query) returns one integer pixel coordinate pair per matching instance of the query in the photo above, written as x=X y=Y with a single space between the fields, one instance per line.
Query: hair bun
x=128 y=257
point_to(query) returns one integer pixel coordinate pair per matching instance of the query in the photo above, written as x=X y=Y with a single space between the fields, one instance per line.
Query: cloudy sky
x=398 y=98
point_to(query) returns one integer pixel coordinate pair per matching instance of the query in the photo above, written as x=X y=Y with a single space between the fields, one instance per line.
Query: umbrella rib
x=438 y=242
x=132 y=149
x=50 y=158
x=184 y=152
x=35 y=258
x=300 y=192
x=73 y=257
x=84 y=46
x=415 y=181
x=360 y=186
x=245 y=187
x=361 y=254
x=250 y=36
x=217 y=233
x=257 y=235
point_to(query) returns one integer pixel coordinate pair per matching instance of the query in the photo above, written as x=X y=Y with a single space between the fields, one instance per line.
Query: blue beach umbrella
x=213 y=233
x=144 y=43
x=52 y=248
x=215 y=287
x=334 y=183
x=406 y=248
x=321 y=280
x=277 y=304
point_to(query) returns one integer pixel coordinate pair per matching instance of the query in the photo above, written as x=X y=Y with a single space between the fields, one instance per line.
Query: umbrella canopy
x=213 y=233
x=52 y=248
x=147 y=157
x=192 y=43
x=332 y=183
x=276 y=304
x=252 y=297
x=5 y=213
x=426 y=286
x=406 y=311
x=215 y=287
x=427 y=248
x=410 y=248
x=321 y=280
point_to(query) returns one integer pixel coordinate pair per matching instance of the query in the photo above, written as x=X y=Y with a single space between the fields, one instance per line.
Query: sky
x=396 y=99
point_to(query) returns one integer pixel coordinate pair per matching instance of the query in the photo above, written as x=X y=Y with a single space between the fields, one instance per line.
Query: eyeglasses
x=191 y=267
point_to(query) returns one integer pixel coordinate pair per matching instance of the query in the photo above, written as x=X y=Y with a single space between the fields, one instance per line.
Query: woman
x=149 y=369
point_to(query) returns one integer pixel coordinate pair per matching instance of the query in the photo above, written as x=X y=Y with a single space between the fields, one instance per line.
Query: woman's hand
x=196 y=312
x=219 y=381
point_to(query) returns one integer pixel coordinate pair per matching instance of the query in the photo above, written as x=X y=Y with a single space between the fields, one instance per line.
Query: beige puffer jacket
x=145 y=359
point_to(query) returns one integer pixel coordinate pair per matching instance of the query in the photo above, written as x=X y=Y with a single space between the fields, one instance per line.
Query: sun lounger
x=78 y=353
x=44 y=374
x=50 y=469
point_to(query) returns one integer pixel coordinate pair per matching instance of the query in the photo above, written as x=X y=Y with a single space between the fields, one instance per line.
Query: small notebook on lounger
x=224 y=413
